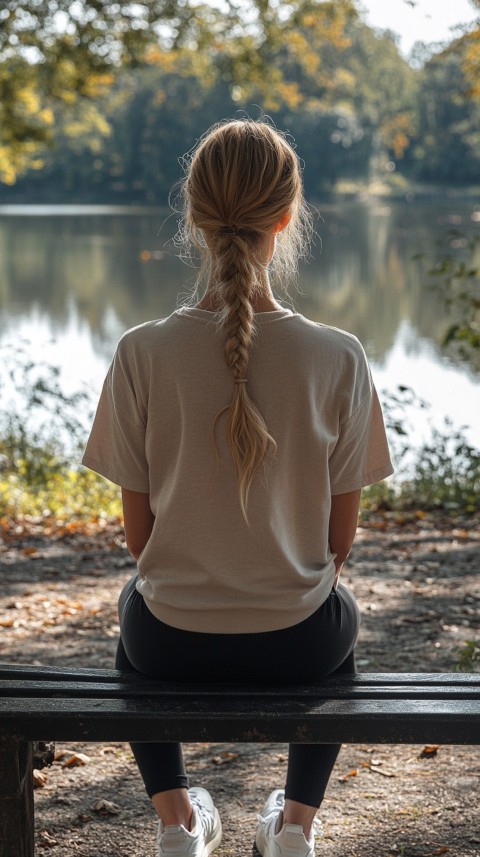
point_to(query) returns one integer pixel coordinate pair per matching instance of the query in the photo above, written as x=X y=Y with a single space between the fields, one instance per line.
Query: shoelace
x=202 y=814
x=317 y=826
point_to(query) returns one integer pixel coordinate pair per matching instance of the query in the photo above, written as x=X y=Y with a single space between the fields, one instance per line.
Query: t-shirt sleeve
x=361 y=455
x=116 y=446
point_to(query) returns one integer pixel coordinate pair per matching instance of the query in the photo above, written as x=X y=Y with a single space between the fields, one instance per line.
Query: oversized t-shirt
x=204 y=568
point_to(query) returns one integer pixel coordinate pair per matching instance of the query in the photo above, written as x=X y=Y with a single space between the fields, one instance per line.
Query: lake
x=72 y=279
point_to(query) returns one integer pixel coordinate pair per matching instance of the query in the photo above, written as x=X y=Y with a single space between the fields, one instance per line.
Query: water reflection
x=366 y=278
x=113 y=271
x=92 y=264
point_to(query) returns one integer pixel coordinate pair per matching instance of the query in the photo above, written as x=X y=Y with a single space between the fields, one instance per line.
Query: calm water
x=73 y=279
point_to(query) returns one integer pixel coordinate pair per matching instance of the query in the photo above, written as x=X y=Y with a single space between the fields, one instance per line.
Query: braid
x=248 y=436
x=237 y=276
x=241 y=181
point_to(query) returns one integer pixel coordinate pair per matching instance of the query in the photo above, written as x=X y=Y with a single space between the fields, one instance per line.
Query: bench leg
x=16 y=798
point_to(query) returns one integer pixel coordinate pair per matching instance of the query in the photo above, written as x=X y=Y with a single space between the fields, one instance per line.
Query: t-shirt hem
x=115 y=477
x=364 y=480
x=236 y=621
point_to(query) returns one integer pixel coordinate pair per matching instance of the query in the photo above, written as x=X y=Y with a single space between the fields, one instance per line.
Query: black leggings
x=319 y=646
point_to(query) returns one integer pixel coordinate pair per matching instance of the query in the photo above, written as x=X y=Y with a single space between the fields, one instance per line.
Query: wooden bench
x=48 y=704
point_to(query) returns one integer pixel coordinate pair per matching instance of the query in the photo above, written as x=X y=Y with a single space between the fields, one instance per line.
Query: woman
x=241 y=435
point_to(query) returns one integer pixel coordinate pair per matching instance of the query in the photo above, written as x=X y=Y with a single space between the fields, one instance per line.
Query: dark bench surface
x=39 y=703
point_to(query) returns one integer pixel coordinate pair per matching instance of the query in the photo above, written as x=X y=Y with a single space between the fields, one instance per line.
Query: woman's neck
x=262 y=301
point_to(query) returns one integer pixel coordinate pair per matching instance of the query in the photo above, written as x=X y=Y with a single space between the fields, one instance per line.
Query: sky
x=427 y=21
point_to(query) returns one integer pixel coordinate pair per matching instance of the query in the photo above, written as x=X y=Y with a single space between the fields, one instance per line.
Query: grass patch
x=444 y=476
x=42 y=437
x=68 y=494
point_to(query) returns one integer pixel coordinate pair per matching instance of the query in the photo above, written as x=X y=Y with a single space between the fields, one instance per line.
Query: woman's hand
x=342 y=527
x=138 y=520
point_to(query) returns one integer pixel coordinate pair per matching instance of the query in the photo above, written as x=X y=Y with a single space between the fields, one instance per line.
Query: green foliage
x=446 y=148
x=446 y=473
x=381 y=496
x=346 y=118
x=468 y=657
x=65 y=494
x=39 y=423
x=458 y=277
x=395 y=407
x=442 y=474
x=96 y=97
x=41 y=438
x=383 y=91
x=57 y=55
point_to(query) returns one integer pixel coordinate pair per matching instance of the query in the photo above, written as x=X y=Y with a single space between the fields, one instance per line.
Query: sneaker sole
x=260 y=843
x=217 y=838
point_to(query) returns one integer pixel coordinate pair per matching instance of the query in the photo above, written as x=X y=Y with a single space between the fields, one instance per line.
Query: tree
x=447 y=147
x=59 y=53
x=382 y=91
x=471 y=56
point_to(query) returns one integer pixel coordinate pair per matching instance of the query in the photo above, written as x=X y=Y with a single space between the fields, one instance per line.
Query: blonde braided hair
x=243 y=178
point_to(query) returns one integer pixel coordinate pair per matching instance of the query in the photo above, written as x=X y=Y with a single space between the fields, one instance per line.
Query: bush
x=42 y=434
x=444 y=473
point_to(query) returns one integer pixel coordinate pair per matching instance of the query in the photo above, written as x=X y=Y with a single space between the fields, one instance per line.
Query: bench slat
x=25 y=671
x=196 y=719
x=125 y=688
x=76 y=705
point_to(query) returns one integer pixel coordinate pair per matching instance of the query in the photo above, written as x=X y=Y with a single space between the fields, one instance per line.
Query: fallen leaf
x=345 y=777
x=373 y=765
x=224 y=758
x=76 y=760
x=106 y=807
x=45 y=840
x=429 y=750
x=63 y=754
x=383 y=773
x=442 y=850
x=39 y=779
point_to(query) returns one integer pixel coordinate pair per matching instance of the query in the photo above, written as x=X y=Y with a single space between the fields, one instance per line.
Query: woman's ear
x=283 y=222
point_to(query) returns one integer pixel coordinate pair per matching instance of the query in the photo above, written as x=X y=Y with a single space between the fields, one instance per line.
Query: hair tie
x=228 y=230
x=240 y=380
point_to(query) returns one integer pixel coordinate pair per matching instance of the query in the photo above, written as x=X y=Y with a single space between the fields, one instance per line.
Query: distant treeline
x=369 y=117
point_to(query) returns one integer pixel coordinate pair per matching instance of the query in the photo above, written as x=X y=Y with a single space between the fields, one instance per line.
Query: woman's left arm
x=342 y=527
x=138 y=520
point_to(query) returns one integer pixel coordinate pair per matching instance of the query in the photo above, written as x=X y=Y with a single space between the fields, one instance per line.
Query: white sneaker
x=276 y=840
x=174 y=840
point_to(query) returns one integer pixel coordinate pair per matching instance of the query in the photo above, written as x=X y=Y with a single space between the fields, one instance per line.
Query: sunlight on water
x=448 y=392
x=70 y=285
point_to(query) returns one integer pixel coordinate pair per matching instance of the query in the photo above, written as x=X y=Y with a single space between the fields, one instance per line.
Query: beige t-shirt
x=203 y=569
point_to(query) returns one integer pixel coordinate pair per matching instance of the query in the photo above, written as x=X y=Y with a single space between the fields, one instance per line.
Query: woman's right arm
x=343 y=526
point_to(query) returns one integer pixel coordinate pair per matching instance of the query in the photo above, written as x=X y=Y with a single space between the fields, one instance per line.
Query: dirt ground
x=417 y=583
